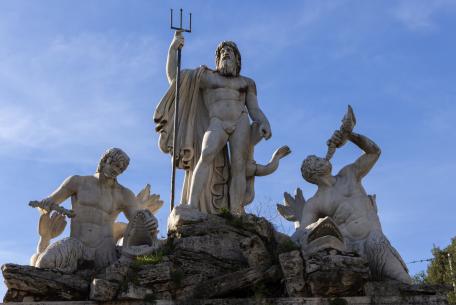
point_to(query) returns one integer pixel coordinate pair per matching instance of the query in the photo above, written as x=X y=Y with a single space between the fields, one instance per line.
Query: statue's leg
x=239 y=146
x=384 y=261
x=62 y=255
x=214 y=140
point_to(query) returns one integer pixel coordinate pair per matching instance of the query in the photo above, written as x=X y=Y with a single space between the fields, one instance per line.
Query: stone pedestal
x=217 y=260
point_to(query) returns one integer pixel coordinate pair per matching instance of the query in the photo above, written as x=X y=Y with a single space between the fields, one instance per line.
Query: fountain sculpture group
x=214 y=249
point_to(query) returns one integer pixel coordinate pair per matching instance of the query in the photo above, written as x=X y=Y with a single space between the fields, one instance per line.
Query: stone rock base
x=393 y=300
x=218 y=260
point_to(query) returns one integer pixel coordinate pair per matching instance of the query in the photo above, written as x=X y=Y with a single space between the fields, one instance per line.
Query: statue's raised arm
x=372 y=152
x=364 y=163
x=171 y=62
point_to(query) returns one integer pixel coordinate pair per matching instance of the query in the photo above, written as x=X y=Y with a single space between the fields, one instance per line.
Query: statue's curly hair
x=237 y=54
x=115 y=154
x=310 y=168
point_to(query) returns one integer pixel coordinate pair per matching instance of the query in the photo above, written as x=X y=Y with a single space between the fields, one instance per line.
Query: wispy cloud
x=74 y=91
x=420 y=15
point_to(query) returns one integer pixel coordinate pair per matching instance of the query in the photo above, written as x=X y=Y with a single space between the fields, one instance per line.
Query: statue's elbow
x=378 y=151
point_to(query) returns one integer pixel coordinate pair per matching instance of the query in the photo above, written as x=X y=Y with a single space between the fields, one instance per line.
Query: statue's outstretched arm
x=171 y=62
x=255 y=112
x=65 y=190
x=363 y=164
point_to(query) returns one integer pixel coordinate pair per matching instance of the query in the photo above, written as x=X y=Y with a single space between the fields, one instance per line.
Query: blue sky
x=79 y=77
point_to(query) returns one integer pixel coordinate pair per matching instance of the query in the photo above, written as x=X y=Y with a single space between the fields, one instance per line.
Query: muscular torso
x=96 y=207
x=348 y=204
x=224 y=97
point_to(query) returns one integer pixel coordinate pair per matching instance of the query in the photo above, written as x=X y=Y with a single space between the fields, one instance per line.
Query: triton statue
x=96 y=202
x=342 y=208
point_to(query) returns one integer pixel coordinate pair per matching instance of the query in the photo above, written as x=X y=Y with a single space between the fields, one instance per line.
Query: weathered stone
x=229 y=283
x=116 y=272
x=103 y=290
x=191 y=263
x=43 y=284
x=292 y=266
x=332 y=273
x=395 y=288
x=259 y=225
x=225 y=249
x=414 y=300
x=134 y=292
x=149 y=275
x=255 y=252
x=182 y=215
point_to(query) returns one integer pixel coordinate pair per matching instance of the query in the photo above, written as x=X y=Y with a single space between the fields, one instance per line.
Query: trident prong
x=180 y=28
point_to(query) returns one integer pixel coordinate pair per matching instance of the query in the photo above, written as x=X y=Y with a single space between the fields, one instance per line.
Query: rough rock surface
x=42 y=284
x=396 y=300
x=334 y=273
x=218 y=258
x=293 y=273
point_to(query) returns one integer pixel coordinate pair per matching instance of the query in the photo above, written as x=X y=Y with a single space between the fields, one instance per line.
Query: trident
x=176 y=103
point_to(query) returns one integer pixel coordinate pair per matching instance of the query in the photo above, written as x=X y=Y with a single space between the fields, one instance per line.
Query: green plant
x=154 y=258
x=225 y=213
x=151 y=259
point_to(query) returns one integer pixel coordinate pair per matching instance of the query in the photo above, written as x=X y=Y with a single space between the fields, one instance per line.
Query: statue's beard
x=227 y=67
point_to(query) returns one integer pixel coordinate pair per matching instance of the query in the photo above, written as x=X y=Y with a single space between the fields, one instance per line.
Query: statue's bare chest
x=97 y=197
x=214 y=81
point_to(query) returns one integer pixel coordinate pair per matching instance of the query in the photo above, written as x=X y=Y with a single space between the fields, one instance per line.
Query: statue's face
x=227 y=62
x=113 y=168
x=323 y=165
x=227 y=54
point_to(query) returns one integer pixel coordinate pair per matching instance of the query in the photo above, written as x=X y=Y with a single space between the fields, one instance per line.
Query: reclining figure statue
x=96 y=202
x=342 y=208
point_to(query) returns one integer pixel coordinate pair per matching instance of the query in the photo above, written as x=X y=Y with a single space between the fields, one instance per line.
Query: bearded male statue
x=214 y=111
x=96 y=202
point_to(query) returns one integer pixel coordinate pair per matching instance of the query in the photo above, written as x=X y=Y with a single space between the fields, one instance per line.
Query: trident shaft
x=175 y=156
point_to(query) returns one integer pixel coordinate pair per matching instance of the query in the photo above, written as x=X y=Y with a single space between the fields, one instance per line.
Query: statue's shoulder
x=247 y=79
x=74 y=179
x=125 y=191
x=250 y=83
x=205 y=68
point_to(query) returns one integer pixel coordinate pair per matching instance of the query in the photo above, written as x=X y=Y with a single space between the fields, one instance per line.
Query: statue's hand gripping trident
x=179 y=43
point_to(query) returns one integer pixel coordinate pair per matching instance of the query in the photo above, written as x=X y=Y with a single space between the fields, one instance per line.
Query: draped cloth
x=193 y=121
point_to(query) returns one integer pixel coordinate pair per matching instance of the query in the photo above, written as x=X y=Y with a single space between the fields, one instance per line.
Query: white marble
x=220 y=122
x=96 y=202
x=342 y=198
